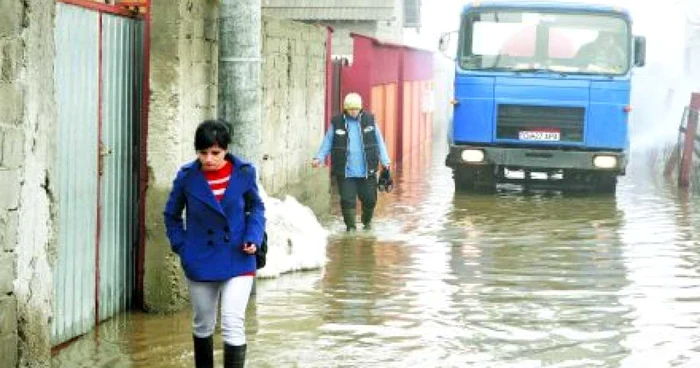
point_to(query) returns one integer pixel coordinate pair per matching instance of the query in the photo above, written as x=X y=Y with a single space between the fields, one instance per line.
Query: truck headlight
x=605 y=162
x=473 y=155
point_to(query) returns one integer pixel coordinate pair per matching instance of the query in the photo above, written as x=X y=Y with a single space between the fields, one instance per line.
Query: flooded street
x=512 y=279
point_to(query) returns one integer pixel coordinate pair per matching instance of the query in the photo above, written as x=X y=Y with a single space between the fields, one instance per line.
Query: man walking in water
x=356 y=147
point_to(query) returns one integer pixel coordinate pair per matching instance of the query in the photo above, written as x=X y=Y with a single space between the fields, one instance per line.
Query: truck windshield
x=529 y=41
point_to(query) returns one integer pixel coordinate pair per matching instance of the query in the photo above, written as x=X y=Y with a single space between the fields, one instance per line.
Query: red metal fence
x=395 y=82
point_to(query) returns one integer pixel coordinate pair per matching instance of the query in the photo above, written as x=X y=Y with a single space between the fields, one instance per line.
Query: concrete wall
x=342 y=41
x=183 y=93
x=294 y=86
x=391 y=30
x=387 y=31
x=184 y=55
x=27 y=203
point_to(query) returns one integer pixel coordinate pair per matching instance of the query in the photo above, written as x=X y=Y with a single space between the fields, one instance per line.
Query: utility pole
x=240 y=88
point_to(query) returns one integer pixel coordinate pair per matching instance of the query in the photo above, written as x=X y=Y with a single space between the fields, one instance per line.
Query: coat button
x=227 y=238
x=210 y=243
x=210 y=231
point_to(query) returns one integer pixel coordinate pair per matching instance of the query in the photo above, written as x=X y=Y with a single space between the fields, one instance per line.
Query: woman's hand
x=250 y=248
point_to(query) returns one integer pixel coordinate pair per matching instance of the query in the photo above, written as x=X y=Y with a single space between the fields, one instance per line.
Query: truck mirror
x=640 y=51
x=444 y=42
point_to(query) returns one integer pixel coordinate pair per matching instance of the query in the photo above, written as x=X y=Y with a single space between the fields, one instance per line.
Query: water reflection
x=544 y=273
x=661 y=252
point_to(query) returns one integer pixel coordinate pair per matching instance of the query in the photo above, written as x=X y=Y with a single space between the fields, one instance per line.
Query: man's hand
x=315 y=163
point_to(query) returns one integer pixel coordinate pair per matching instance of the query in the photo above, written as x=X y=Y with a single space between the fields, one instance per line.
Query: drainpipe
x=240 y=101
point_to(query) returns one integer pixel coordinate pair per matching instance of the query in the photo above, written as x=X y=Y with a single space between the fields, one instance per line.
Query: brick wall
x=392 y=30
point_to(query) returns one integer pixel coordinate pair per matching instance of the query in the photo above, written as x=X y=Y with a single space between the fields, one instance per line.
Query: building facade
x=73 y=137
x=381 y=19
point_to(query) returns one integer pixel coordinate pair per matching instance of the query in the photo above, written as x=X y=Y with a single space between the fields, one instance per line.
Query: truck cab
x=542 y=89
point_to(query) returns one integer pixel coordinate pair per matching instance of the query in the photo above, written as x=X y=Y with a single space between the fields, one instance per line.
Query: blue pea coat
x=210 y=241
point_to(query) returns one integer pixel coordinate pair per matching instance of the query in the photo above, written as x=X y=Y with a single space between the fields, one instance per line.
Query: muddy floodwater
x=516 y=278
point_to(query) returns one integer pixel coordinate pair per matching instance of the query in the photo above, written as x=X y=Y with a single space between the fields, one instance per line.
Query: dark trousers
x=352 y=188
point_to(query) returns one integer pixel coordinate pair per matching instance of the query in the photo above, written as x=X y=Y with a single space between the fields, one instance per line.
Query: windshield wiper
x=490 y=69
x=532 y=70
x=539 y=70
x=598 y=74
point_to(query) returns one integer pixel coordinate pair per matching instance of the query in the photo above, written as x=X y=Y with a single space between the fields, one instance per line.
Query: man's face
x=353 y=112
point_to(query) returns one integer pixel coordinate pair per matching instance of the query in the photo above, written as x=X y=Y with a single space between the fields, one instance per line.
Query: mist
x=662 y=88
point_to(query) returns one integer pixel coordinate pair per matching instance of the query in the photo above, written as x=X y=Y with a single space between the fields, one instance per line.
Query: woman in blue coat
x=217 y=241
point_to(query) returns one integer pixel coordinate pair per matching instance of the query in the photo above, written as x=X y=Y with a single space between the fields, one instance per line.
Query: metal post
x=689 y=141
x=240 y=102
x=143 y=159
x=328 y=113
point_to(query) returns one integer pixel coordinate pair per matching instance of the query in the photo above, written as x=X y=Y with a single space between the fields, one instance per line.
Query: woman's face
x=212 y=158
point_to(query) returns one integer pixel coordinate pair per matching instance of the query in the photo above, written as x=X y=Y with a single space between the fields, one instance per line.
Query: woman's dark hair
x=211 y=132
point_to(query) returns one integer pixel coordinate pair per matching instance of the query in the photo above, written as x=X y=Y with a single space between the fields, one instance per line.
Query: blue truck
x=542 y=91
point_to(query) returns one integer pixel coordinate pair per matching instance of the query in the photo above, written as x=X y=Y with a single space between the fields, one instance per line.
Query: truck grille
x=513 y=119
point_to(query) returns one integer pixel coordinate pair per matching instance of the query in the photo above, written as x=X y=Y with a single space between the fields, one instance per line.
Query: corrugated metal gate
x=395 y=82
x=99 y=92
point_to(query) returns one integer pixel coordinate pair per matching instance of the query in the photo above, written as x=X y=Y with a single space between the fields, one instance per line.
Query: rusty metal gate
x=99 y=92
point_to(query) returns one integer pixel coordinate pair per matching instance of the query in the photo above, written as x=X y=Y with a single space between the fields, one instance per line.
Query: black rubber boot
x=367 y=219
x=349 y=215
x=234 y=356
x=203 y=352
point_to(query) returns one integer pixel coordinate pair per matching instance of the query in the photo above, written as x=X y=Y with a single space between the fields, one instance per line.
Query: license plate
x=538 y=136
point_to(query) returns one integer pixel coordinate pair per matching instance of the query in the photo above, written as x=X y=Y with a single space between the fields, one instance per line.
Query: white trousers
x=234 y=294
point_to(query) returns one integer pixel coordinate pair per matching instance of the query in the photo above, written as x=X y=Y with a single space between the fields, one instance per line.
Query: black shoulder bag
x=261 y=251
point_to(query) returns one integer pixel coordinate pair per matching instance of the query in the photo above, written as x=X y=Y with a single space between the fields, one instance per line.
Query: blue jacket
x=356 y=163
x=210 y=242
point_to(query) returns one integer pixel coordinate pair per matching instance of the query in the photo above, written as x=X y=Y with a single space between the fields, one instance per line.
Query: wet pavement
x=511 y=279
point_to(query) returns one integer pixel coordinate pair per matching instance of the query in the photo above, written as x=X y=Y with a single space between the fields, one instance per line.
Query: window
x=532 y=41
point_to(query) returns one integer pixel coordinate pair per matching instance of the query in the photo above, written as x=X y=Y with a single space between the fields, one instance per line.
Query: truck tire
x=471 y=179
x=590 y=181
x=605 y=182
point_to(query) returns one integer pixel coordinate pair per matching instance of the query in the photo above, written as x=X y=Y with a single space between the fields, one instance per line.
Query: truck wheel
x=605 y=183
x=464 y=179
x=474 y=179
x=590 y=181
